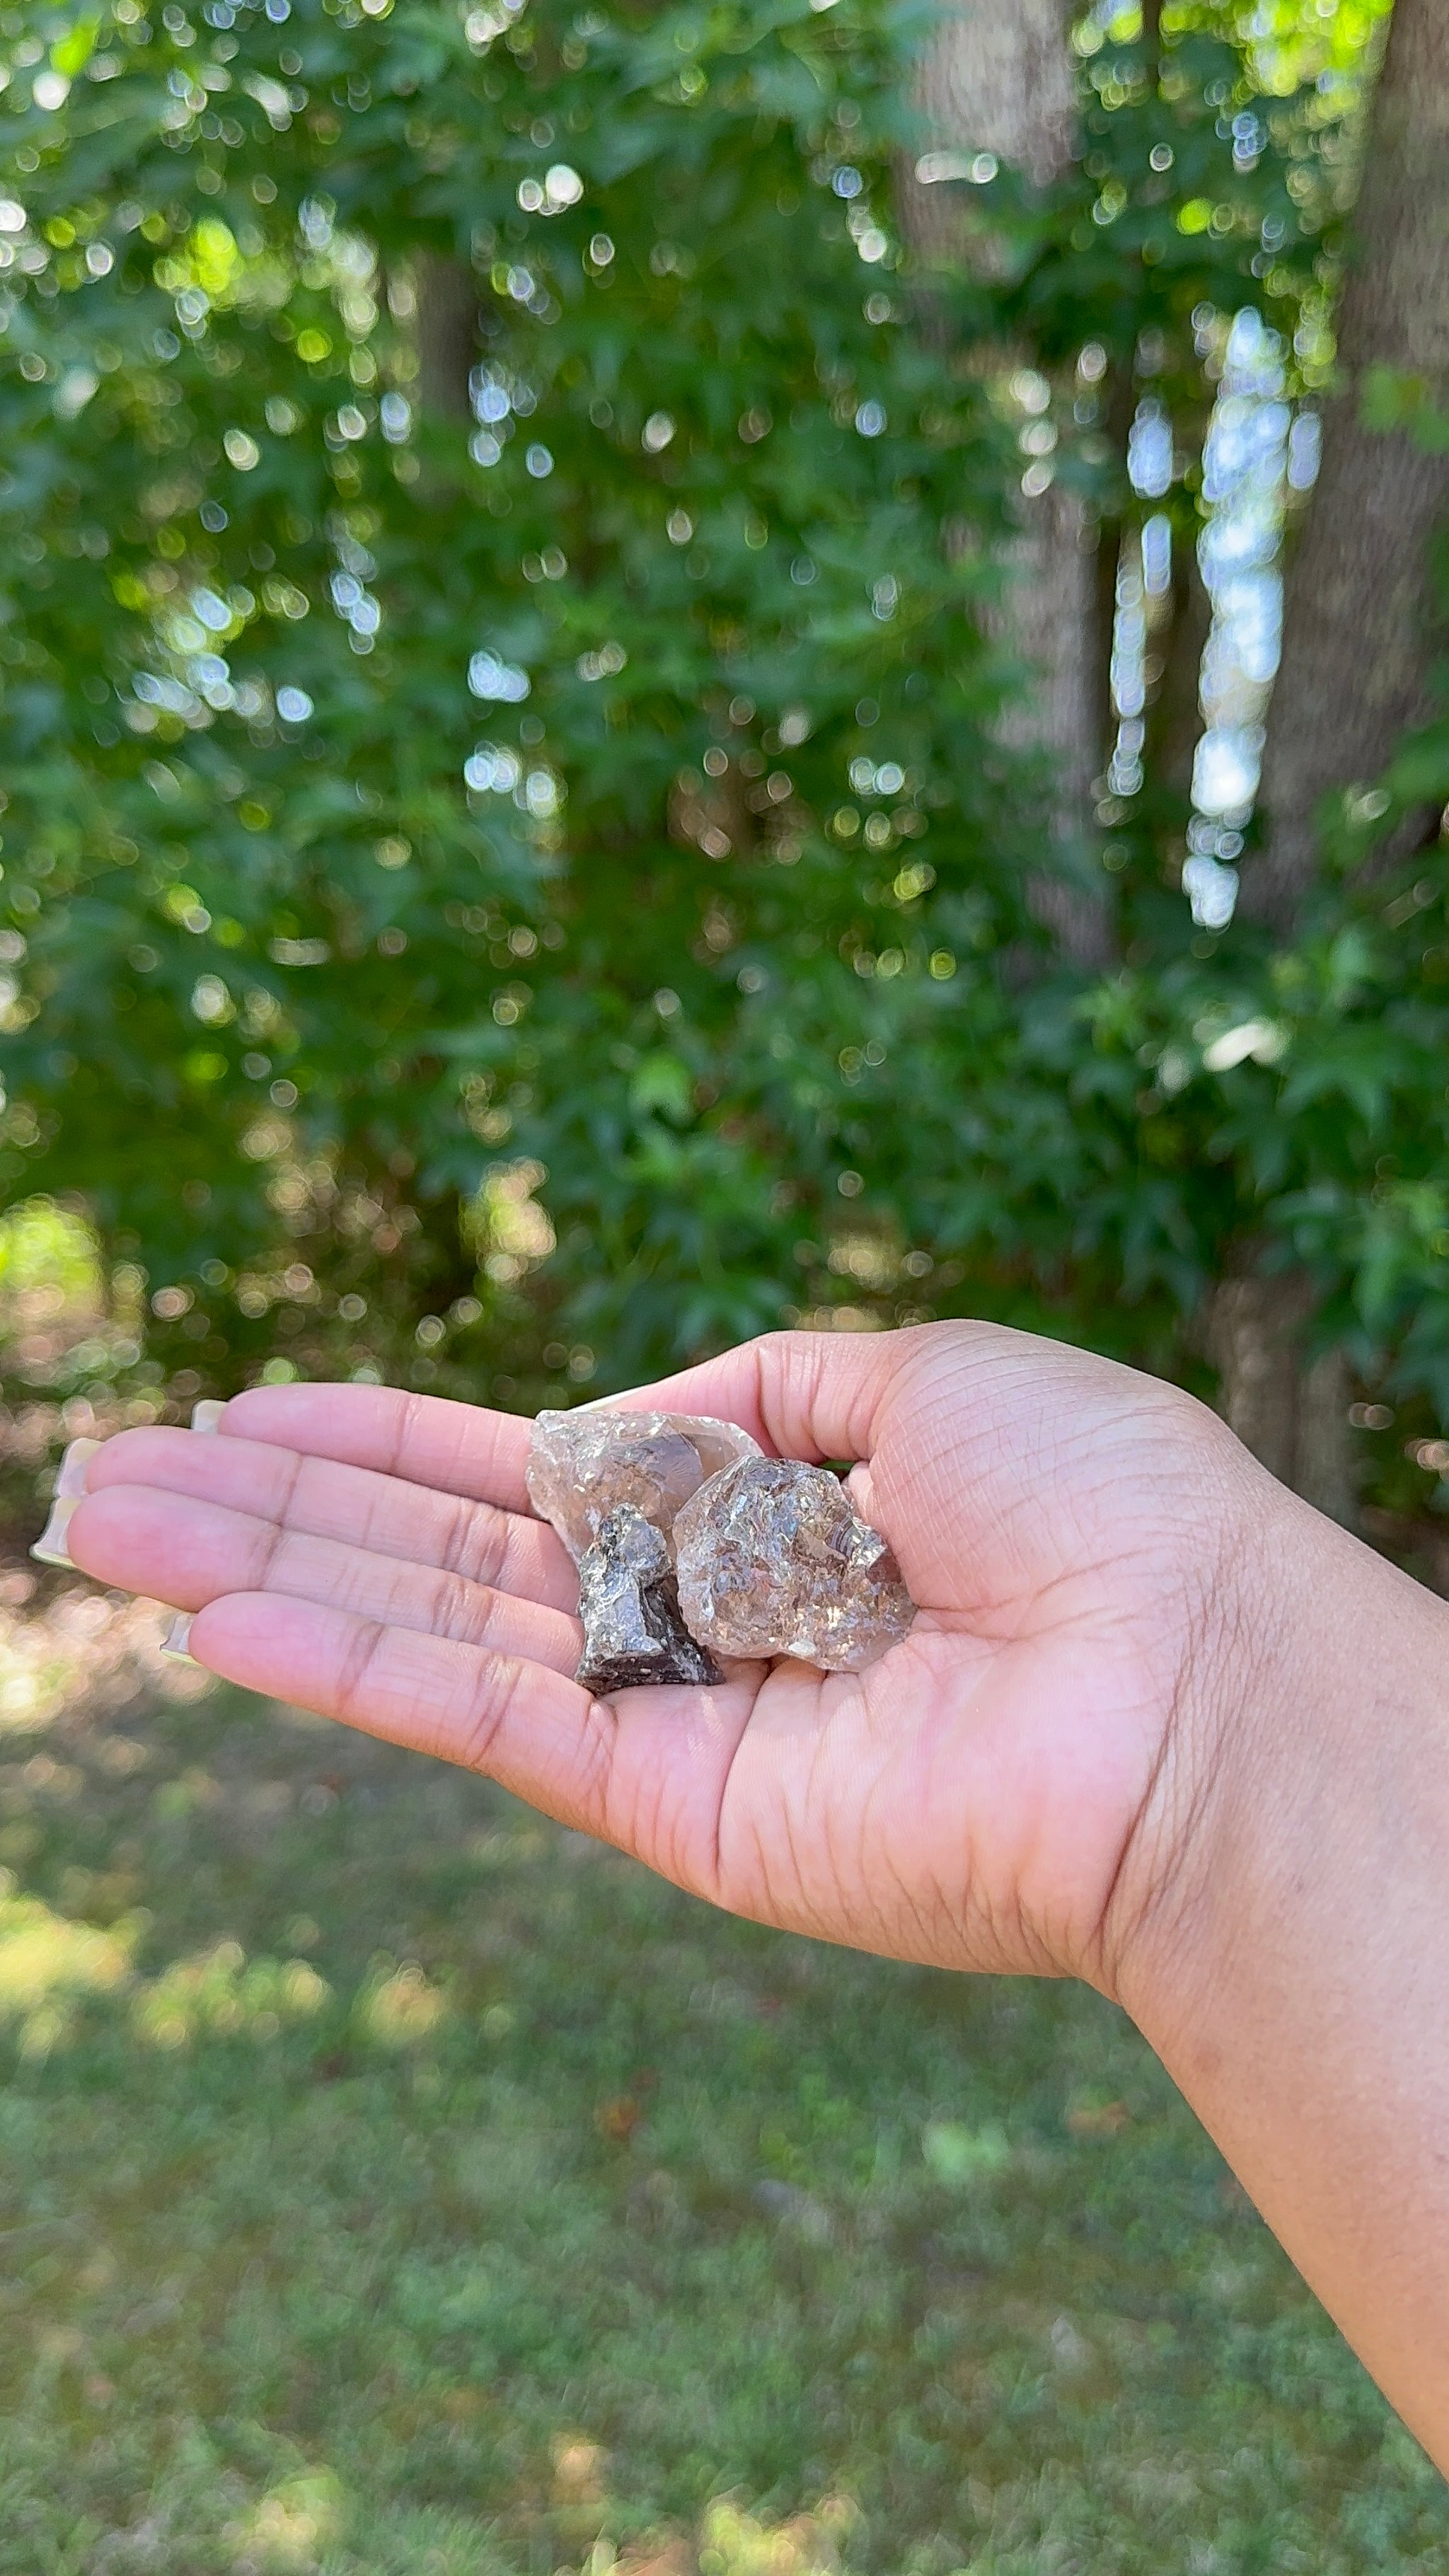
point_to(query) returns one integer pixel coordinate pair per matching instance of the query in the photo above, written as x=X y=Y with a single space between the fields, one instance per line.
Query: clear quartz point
x=611 y=1483
x=771 y=1560
x=582 y=1465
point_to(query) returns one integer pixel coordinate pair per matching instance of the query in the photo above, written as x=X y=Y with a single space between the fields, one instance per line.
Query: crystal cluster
x=690 y=1543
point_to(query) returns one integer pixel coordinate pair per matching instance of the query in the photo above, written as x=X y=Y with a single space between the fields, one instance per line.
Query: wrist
x=1295 y=1634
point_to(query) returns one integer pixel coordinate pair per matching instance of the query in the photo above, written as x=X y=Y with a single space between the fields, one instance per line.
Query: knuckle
x=271 y=1548
x=356 y=1668
x=496 y=1698
x=461 y=1609
x=474 y=1544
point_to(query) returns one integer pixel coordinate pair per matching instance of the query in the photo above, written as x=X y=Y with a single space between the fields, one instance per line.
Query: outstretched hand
x=1157 y=1725
x=999 y=1791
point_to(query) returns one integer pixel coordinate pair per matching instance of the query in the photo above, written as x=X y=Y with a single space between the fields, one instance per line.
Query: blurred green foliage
x=681 y=973
x=391 y=2182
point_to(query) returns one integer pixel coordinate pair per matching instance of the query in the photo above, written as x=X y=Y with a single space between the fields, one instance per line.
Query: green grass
x=537 y=2206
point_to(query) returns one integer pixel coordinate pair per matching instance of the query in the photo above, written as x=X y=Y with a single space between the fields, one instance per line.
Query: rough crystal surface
x=612 y=1483
x=583 y=1465
x=629 y=1603
x=771 y=1560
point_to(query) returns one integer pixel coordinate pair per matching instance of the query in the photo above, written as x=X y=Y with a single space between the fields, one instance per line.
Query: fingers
x=647 y=1774
x=803 y=1395
x=451 y=1448
x=191 y=1553
x=355 y=1506
x=522 y=1722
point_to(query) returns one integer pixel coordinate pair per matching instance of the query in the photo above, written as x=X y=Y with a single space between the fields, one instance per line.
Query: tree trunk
x=1358 y=616
x=1293 y=1417
x=446 y=297
x=1357 y=647
x=999 y=77
x=1174 y=715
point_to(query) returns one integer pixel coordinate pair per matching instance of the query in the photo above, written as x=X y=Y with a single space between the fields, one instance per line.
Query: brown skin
x=1158 y=1726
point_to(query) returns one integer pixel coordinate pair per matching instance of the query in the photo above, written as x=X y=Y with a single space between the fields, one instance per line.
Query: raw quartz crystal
x=629 y=1604
x=612 y=1484
x=771 y=1560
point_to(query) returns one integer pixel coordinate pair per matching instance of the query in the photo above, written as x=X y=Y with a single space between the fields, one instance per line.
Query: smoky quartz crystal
x=771 y=1560
x=612 y=1484
x=584 y=1464
x=629 y=1603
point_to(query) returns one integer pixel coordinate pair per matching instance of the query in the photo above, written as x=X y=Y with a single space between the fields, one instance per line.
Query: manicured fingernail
x=70 y=1484
x=206 y=1415
x=50 y=1548
x=176 y=1644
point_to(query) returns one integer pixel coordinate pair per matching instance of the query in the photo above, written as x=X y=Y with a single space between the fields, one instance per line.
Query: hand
x=1157 y=1724
x=1000 y=1791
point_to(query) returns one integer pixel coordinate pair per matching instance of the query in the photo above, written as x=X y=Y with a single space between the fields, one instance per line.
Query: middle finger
x=190 y=1553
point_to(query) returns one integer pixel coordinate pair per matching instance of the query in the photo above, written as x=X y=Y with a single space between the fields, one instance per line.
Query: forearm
x=1295 y=1977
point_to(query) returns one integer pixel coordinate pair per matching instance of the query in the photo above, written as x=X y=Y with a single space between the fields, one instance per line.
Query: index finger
x=424 y=1439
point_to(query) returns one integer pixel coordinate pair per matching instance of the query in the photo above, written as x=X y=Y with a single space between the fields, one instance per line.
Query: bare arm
x=1292 y=1969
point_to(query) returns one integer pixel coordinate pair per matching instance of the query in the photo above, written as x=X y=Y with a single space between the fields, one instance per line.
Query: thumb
x=801 y=1395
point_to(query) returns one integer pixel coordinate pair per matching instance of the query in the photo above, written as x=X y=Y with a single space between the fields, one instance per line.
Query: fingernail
x=71 y=1481
x=206 y=1415
x=50 y=1548
x=176 y=1644
x=70 y=1484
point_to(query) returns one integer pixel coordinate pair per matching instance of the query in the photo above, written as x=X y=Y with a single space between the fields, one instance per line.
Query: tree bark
x=1174 y=715
x=1358 y=612
x=1291 y=1414
x=446 y=295
x=999 y=77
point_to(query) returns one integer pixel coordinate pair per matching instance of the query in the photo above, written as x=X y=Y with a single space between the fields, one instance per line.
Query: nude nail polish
x=70 y=1484
x=206 y=1415
x=177 y=1640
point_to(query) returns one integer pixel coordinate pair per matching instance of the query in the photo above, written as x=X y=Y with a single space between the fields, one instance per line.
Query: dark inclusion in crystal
x=634 y=1636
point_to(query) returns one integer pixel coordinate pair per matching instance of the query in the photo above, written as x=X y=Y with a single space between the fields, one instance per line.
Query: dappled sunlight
x=961 y=2157
x=411 y=2201
x=735 y=2543
x=48 y=1965
x=729 y=2540
x=58 y=1646
x=283 y=2535
x=552 y=823
x=398 y=2007
x=220 y=1993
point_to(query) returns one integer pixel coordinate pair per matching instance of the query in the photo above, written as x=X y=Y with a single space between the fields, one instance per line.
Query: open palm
x=973 y=1799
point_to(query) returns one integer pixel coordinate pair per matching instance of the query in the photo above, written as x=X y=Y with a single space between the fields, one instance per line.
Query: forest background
x=635 y=656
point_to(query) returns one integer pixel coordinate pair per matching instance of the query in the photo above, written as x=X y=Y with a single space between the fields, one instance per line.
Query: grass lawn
x=390 y=2182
